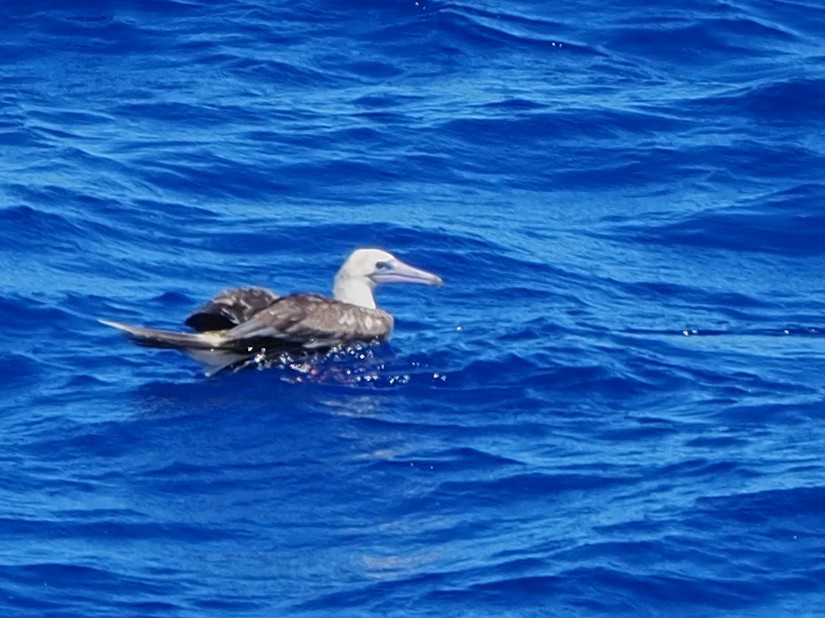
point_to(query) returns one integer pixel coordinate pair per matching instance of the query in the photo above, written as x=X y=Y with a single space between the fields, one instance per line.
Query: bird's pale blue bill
x=396 y=271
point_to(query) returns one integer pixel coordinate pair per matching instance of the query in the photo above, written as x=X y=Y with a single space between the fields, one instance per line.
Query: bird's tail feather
x=154 y=338
x=202 y=347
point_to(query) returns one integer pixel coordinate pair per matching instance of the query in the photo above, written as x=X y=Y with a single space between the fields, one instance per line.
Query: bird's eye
x=382 y=266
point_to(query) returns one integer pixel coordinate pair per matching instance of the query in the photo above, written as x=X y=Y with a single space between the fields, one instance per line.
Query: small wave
x=701 y=39
x=786 y=222
x=24 y=227
x=485 y=29
x=767 y=101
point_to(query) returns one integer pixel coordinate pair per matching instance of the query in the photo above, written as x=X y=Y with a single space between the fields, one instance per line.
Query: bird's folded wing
x=312 y=321
x=230 y=308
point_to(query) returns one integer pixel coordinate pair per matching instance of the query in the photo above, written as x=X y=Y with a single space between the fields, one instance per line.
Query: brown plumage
x=230 y=308
x=246 y=323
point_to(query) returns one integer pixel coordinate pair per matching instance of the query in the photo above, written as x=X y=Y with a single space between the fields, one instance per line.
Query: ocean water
x=614 y=406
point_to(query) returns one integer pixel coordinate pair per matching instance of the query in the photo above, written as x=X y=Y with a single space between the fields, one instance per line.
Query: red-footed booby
x=246 y=323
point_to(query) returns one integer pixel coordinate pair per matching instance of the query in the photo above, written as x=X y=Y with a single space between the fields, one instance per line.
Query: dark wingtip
x=205 y=322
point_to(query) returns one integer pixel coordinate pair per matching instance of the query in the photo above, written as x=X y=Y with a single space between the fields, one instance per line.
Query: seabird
x=241 y=324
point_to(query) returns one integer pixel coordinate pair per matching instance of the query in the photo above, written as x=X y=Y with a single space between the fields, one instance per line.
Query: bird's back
x=230 y=308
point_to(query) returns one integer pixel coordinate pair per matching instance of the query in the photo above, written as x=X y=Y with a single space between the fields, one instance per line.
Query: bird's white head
x=366 y=268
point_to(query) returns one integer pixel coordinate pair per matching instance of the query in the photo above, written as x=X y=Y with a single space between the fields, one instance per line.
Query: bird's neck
x=355 y=291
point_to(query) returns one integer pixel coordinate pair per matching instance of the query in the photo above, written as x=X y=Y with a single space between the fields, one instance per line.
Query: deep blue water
x=614 y=407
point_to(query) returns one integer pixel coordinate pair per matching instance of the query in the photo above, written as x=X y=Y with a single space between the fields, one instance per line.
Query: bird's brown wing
x=230 y=308
x=310 y=322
